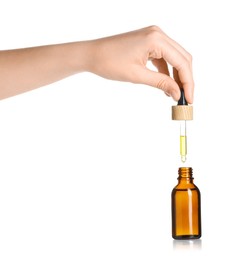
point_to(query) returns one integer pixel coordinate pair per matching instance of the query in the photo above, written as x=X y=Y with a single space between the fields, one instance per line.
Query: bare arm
x=25 y=69
x=121 y=57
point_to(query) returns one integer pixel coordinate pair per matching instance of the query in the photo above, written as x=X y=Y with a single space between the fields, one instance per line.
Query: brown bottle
x=186 y=207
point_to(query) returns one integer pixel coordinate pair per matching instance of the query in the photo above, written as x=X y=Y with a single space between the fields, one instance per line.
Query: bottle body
x=186 y=207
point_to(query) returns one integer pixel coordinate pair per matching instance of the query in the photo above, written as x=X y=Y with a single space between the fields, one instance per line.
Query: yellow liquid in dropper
x=183 y=147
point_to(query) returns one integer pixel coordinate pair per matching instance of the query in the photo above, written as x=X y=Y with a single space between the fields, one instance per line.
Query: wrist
x=80 y=56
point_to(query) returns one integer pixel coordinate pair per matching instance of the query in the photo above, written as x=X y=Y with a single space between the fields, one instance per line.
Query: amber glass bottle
x=186 y=207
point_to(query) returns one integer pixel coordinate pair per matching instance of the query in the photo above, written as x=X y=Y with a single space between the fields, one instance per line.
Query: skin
x=120 y=57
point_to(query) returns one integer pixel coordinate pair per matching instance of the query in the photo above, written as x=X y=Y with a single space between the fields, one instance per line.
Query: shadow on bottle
x=189 y=245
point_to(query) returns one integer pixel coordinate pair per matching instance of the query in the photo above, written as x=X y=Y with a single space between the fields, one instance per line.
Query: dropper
x=182 y=112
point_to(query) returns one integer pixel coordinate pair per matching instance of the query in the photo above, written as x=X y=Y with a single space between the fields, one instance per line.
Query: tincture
x=186 y=207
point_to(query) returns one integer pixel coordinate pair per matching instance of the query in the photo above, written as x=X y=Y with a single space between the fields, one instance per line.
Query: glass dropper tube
x=182 y=112
x=183 y=141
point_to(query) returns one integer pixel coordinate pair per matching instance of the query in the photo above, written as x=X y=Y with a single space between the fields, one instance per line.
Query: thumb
x=161 y=81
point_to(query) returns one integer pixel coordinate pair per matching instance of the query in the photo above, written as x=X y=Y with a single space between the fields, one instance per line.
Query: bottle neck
x=185 y=174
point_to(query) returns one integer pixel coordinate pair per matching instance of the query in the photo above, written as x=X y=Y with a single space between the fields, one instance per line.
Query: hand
x=121 y=57
x=124 y=57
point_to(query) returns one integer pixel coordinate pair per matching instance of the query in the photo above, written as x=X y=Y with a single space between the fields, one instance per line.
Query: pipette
x=182 y=112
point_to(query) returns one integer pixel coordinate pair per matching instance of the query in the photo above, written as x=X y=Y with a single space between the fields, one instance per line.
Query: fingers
x=161 y=81
x=124 y=57
x=186 y=54
x=161 y=65
x=176 y=45
x=182 y=65
x=178 y=81
x=166 y=48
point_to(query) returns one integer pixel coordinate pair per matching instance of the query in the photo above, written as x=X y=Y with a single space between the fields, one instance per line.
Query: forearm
x=25 y=69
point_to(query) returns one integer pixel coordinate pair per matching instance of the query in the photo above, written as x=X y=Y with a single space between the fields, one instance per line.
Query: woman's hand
x=124 y=57
x=120 y=57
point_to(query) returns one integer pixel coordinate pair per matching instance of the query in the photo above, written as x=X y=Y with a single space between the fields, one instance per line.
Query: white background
x=87 y=165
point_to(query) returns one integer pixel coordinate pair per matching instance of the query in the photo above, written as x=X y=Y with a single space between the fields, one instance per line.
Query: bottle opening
x=185 y=172
x=185 y=169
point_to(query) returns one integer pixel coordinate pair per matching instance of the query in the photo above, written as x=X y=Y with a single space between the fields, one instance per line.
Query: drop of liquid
x=183 y=158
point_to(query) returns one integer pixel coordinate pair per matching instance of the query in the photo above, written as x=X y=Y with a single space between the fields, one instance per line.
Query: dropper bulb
x=182 y=101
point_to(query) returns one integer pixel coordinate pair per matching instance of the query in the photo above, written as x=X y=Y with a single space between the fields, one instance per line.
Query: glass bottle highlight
x=186 y=207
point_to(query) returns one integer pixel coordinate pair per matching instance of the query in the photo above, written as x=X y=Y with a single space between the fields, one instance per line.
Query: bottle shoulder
x=186 y=186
